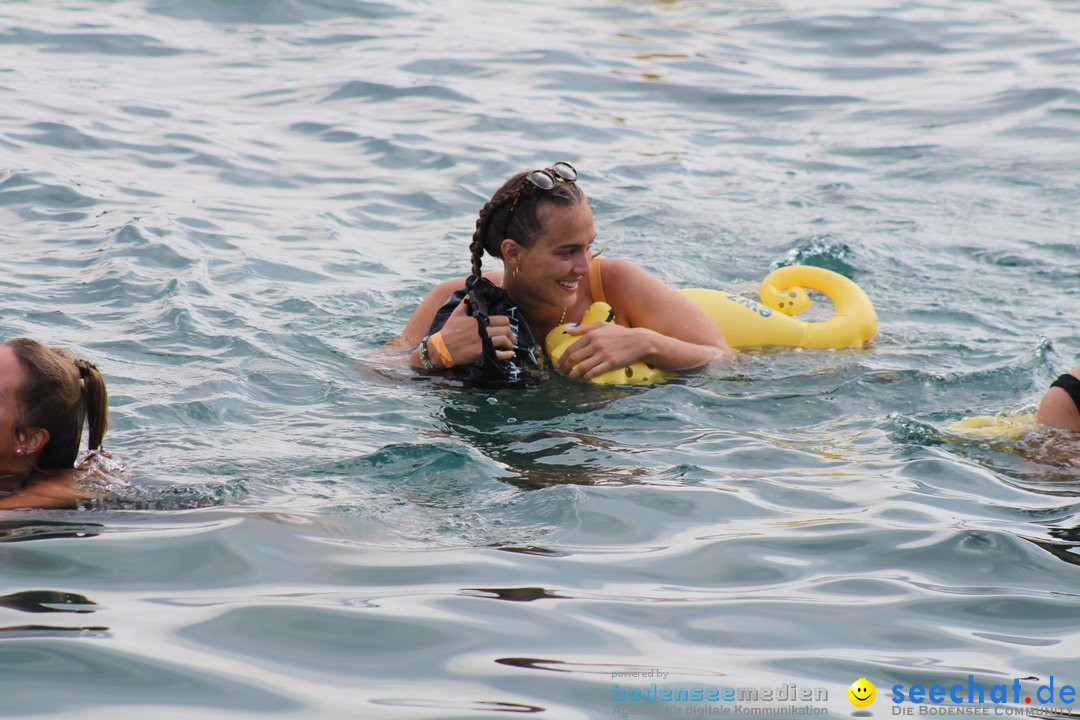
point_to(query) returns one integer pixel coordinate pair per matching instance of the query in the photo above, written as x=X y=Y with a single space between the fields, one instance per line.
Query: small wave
x=823 y=251
x=272 y=12
x=100 y=43
x=381 y=92
x=35 y=198
x=106 y=484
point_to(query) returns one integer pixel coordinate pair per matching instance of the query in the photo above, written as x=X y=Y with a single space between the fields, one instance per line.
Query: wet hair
x=58 y=392
x=523 y=225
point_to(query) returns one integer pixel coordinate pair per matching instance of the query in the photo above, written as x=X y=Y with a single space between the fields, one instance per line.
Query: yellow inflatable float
x=749 y=324
x=1007 y=426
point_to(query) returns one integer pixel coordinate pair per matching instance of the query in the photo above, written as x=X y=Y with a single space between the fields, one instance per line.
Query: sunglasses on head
x=559 y=172
x=546 y=179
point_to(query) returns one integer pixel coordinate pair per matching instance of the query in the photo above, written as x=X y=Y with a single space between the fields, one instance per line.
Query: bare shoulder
x=617 y=270
x=442 y=292
x=1058 y=409
x=627 y=283
x=448 y=287
x=645 y=300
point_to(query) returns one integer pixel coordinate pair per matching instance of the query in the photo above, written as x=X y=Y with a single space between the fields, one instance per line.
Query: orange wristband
x=437 y=342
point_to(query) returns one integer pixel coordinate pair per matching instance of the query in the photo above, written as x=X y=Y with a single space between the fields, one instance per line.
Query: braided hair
x=514 y=212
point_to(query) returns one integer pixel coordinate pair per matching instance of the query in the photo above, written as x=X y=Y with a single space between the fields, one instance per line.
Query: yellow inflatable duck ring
x=749 y=324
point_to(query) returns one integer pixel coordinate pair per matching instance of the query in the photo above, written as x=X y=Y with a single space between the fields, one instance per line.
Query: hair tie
x=84 y=366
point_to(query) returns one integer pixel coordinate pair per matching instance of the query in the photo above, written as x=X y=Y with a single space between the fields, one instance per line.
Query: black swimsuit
x=1071 y=385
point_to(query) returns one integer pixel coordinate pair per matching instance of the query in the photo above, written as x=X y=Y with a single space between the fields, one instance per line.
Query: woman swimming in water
x=1060 y=406
x=45 y=396
x=541 y=226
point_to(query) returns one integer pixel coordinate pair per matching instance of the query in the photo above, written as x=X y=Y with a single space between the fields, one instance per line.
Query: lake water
x=231 y=206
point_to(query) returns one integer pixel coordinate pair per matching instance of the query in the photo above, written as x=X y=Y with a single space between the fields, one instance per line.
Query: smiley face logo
x=862 y=693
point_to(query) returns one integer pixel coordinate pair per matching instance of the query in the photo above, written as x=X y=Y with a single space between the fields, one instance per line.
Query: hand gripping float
x=748 y=324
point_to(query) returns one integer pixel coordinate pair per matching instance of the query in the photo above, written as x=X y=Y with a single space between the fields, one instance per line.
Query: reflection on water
x=530 y=433
x=444 y=705
x=33 y=529
x=516 y=594
x=1064 y=544
x=39 y=631
x=48 y=601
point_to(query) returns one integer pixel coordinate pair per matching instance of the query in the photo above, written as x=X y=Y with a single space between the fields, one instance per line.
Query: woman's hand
x=463 y=341
x=603 y=347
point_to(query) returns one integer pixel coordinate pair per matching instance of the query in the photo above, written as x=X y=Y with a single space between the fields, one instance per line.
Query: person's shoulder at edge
x=1058 y=409
x=48 y=396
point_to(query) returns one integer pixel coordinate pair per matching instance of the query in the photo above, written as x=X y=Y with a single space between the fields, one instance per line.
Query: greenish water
x=232 y=206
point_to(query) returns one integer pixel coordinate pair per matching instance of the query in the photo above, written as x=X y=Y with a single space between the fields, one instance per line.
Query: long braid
x=476 y=247
x=482 y=237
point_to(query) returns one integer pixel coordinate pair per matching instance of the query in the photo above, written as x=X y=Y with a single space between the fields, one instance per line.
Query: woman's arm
x=663 y=328
x=54 y=492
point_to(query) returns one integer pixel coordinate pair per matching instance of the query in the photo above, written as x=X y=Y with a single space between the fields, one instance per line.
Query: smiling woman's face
x=552 y=270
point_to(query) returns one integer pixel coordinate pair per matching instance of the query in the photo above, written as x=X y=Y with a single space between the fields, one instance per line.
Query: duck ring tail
x=748 y=324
